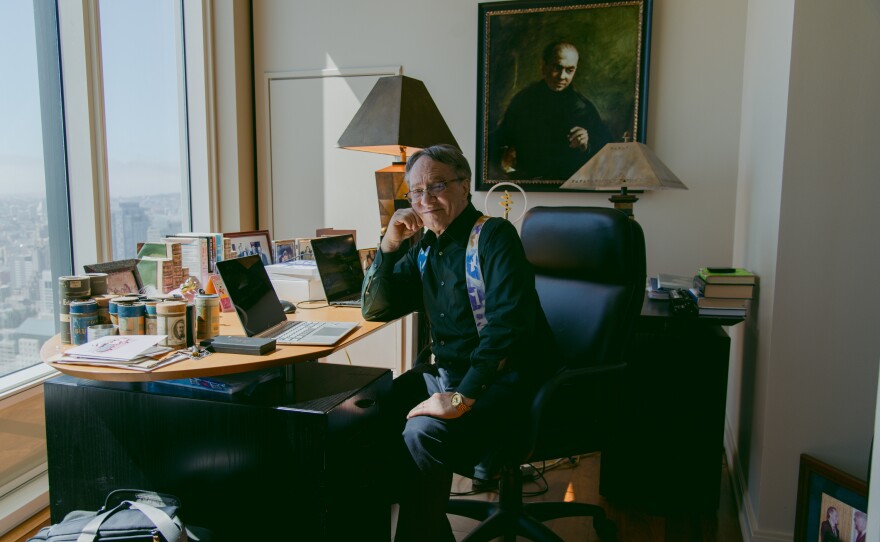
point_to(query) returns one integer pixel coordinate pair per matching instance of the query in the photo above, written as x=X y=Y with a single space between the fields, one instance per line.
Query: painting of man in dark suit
x=557 y=83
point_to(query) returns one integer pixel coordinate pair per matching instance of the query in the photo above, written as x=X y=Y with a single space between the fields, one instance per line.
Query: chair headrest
x=609 y=246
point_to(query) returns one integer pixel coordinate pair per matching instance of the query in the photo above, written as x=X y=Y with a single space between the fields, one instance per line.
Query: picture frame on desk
x=246 y=243
x=831 y=504
x=122 y=275
x=605 y=96
x=283 y=250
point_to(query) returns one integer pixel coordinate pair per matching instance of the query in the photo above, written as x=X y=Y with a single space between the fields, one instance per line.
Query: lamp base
x=391 y=191
x=624 y=201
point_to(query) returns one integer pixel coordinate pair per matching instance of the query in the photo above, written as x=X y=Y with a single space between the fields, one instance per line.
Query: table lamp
x=397 y=118
x=627 y=166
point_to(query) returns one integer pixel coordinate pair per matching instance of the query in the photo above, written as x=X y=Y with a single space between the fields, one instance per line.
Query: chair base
x=510 y=517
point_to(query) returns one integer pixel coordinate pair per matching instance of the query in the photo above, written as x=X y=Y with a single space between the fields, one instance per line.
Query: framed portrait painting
x=247 y=243
x=556 y=82
x=831 y=504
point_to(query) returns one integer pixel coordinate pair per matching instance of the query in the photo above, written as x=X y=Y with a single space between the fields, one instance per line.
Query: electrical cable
x=299 y=304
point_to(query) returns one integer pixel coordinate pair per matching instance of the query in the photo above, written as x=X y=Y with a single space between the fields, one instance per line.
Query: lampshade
x=398 y=114
x=627 y=166
x=397 y=118
x=632 y=165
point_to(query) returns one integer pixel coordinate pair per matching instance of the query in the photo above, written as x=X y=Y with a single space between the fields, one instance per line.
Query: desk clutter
x=721 y=292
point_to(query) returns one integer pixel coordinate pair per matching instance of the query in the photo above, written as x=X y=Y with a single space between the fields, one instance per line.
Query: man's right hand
x=402 y=225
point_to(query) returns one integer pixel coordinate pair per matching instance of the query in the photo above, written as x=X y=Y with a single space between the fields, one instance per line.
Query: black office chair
x=590 y=275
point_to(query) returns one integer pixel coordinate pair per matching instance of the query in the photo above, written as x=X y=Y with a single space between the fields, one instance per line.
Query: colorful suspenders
x=473 y=274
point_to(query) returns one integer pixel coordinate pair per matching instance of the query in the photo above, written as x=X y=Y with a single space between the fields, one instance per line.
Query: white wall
x=804 y=375
x=693 y=105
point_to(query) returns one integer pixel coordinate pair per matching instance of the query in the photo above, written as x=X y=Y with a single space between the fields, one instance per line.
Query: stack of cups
x=72 y=288
x=131 y=318
x=207 y=316
x=97 y=283
x=171 y=318
x=82 y=315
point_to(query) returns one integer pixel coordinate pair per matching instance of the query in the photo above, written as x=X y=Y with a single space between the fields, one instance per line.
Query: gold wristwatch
x=459 y=404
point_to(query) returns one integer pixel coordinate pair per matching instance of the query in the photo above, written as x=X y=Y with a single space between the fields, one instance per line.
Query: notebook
x=340 y=269
x=259 y=308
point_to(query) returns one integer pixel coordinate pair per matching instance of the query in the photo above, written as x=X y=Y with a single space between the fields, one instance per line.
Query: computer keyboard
x=297 y=331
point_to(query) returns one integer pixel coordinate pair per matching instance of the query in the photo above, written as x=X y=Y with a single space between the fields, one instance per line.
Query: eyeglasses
x=433 y=189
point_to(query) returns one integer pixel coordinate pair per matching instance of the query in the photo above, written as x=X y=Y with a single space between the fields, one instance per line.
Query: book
x=738 y=276
x=716 y=302
x=211 y=251
x=737 y=291
x=228 y=384
x=729 y=313
x=215 y=242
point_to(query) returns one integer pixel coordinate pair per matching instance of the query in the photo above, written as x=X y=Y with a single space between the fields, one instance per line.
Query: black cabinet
x=291 y=461
x=667 y=446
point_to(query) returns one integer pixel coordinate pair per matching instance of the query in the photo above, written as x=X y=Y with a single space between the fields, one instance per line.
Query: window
x=144 y=109
x=35 y=244
x=47 y=181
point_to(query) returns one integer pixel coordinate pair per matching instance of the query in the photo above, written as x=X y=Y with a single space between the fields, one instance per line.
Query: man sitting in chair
x=490 y=342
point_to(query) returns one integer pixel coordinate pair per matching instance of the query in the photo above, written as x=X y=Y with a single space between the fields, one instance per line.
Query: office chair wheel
x=605 y=529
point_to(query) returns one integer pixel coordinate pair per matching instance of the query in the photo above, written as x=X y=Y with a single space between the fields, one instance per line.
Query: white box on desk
x=296 y=290
x=297 y=269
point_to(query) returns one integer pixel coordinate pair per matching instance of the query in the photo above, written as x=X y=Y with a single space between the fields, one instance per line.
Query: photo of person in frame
x=860 y=526
x=829 y=531
x=550 y=129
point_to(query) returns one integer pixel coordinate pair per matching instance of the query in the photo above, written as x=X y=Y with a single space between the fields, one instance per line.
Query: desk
x=223 y=364
x=289 y=462
x=666 y=453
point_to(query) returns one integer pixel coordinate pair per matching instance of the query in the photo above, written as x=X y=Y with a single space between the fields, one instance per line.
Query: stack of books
x=723 y=292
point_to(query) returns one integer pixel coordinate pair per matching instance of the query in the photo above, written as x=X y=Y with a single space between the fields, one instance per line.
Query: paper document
x=119 y=347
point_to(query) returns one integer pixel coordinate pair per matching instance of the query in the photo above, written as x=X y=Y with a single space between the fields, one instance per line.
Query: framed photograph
x=304 y=248
x=831 y=504
x=284 y=250
x=367 y=255
x=557 y=81
x=246 y=243
x=122 y=275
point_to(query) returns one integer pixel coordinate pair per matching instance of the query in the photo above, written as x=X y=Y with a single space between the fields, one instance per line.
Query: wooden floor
x=581 y=483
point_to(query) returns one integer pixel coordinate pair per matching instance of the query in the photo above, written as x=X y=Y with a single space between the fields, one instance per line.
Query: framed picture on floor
x=556 y=82
x=831 y=504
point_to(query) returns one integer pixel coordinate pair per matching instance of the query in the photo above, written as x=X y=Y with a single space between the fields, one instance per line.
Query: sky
x=141 y=97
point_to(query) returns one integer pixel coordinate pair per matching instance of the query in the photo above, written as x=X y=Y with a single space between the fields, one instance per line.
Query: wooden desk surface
x=221 y=364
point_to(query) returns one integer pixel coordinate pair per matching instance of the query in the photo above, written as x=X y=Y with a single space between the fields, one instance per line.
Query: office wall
x=767 y=122
x=759 y=195
x=693 y=106
x=805 y=369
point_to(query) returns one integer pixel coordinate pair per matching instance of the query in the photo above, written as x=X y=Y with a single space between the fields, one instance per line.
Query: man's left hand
x=579 y=138
x=438 y=405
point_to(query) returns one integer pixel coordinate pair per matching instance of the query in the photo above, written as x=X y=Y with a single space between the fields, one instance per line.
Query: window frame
x=84 y=144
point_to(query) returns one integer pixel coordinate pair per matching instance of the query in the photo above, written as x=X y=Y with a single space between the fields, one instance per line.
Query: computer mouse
x=288 y=307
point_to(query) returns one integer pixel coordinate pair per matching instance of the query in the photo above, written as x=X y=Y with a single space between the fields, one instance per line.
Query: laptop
x=340 y=269
x=259 y=308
